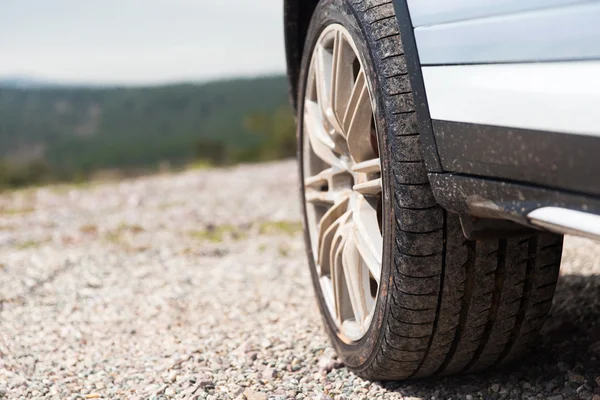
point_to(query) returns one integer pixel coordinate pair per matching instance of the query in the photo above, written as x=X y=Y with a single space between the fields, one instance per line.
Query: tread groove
x=375 y=6
x=392 y=56
x=440 y=296
x=421 y=233
x=414 y=294
x=493 y=310
x=402 y=112
x=549 y=246
x=418 y=208
x=550 y=265
x=415 y=309
x=396 y=75
x=527 y=290
x=383 y=19
x=408 y=337
x=391 y=35
x=413 y=323
x=420 y=256
x=419 y=277
x=546 y=286
x=542 y=302
x=465 y=307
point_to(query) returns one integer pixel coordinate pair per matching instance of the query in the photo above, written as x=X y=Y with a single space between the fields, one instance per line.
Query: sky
x=140 y=41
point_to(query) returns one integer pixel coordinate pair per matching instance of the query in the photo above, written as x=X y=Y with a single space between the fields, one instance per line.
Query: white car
x=444 y=148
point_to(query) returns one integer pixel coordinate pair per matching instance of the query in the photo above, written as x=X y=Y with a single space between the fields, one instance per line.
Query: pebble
x=251 y=394
x=206 y=384
x=269 y=373
x=573 y=377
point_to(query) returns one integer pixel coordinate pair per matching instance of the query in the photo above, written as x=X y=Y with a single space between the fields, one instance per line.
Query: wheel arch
x=297 y=15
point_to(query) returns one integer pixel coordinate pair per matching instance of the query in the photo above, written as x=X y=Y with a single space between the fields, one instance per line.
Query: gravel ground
x=194 y=285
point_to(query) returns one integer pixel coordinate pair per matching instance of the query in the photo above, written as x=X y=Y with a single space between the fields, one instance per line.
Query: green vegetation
x=29 y=244
x=69 y=134
x=116 y=235
x=217 y=234
x=16 y=211
x=276 y=227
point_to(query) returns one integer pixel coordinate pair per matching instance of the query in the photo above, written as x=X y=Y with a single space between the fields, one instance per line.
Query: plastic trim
x=543 y=158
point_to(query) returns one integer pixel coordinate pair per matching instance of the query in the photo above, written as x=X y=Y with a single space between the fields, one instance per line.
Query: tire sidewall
x=357 y=355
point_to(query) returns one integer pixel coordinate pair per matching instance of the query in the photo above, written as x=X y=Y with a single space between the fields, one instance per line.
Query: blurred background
x=112 y=88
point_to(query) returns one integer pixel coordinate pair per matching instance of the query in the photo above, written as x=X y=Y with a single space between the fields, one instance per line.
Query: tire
x=445 y=305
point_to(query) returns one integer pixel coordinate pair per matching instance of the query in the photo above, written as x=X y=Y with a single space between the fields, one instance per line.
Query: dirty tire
x=446 y=305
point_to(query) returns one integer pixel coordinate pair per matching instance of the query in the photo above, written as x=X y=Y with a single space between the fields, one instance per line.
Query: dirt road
x=195 y=285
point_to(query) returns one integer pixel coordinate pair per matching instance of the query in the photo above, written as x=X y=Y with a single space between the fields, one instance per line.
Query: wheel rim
x=342 y=182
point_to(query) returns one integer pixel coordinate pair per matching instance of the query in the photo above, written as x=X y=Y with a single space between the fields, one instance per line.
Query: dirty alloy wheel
x=402 y=293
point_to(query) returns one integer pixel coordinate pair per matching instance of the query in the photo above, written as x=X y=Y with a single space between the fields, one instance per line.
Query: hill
x=74 y=131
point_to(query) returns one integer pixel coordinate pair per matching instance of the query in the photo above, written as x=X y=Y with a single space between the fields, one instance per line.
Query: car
x=445 y=148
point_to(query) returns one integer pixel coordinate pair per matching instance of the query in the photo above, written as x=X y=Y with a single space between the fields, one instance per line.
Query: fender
x=297 y=15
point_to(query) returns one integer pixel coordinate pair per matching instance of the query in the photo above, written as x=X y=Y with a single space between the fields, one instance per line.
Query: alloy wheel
x=342 y=182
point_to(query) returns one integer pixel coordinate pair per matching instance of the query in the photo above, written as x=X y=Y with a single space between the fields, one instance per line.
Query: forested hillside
x=64 y=132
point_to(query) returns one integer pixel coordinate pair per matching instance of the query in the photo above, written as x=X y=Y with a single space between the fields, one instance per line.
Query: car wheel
x=401 y=291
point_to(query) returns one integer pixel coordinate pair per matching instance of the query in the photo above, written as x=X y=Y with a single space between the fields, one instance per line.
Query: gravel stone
x=195 y=285
x=576 y=378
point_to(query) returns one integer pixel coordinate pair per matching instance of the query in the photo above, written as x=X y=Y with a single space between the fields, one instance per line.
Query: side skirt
x=496 y=199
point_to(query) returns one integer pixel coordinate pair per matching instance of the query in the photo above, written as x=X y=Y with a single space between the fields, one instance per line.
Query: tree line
x=70 y=133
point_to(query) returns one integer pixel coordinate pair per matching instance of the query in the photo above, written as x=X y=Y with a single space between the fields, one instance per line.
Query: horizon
x=27 y=82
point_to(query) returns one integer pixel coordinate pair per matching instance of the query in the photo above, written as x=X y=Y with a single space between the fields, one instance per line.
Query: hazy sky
x=140 y=41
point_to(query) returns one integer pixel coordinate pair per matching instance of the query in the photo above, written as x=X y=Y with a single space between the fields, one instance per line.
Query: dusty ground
x=195 y=286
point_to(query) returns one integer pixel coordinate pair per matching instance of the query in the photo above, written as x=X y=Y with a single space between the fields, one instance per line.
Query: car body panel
x=431 y=12
x=551 y=34
x=556 y=97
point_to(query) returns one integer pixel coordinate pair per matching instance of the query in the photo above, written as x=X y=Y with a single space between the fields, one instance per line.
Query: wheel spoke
x=357 y=121
x=368 y=167
x=342 y=80
x=323 y=178
x=329 y=295
x=329 y=179
x=328 y=225
x=367 y=236
x=323 y=71
x=354 y=281
x=371 y=187
x=340 y=289
x=325 y=251
x=321 y=143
